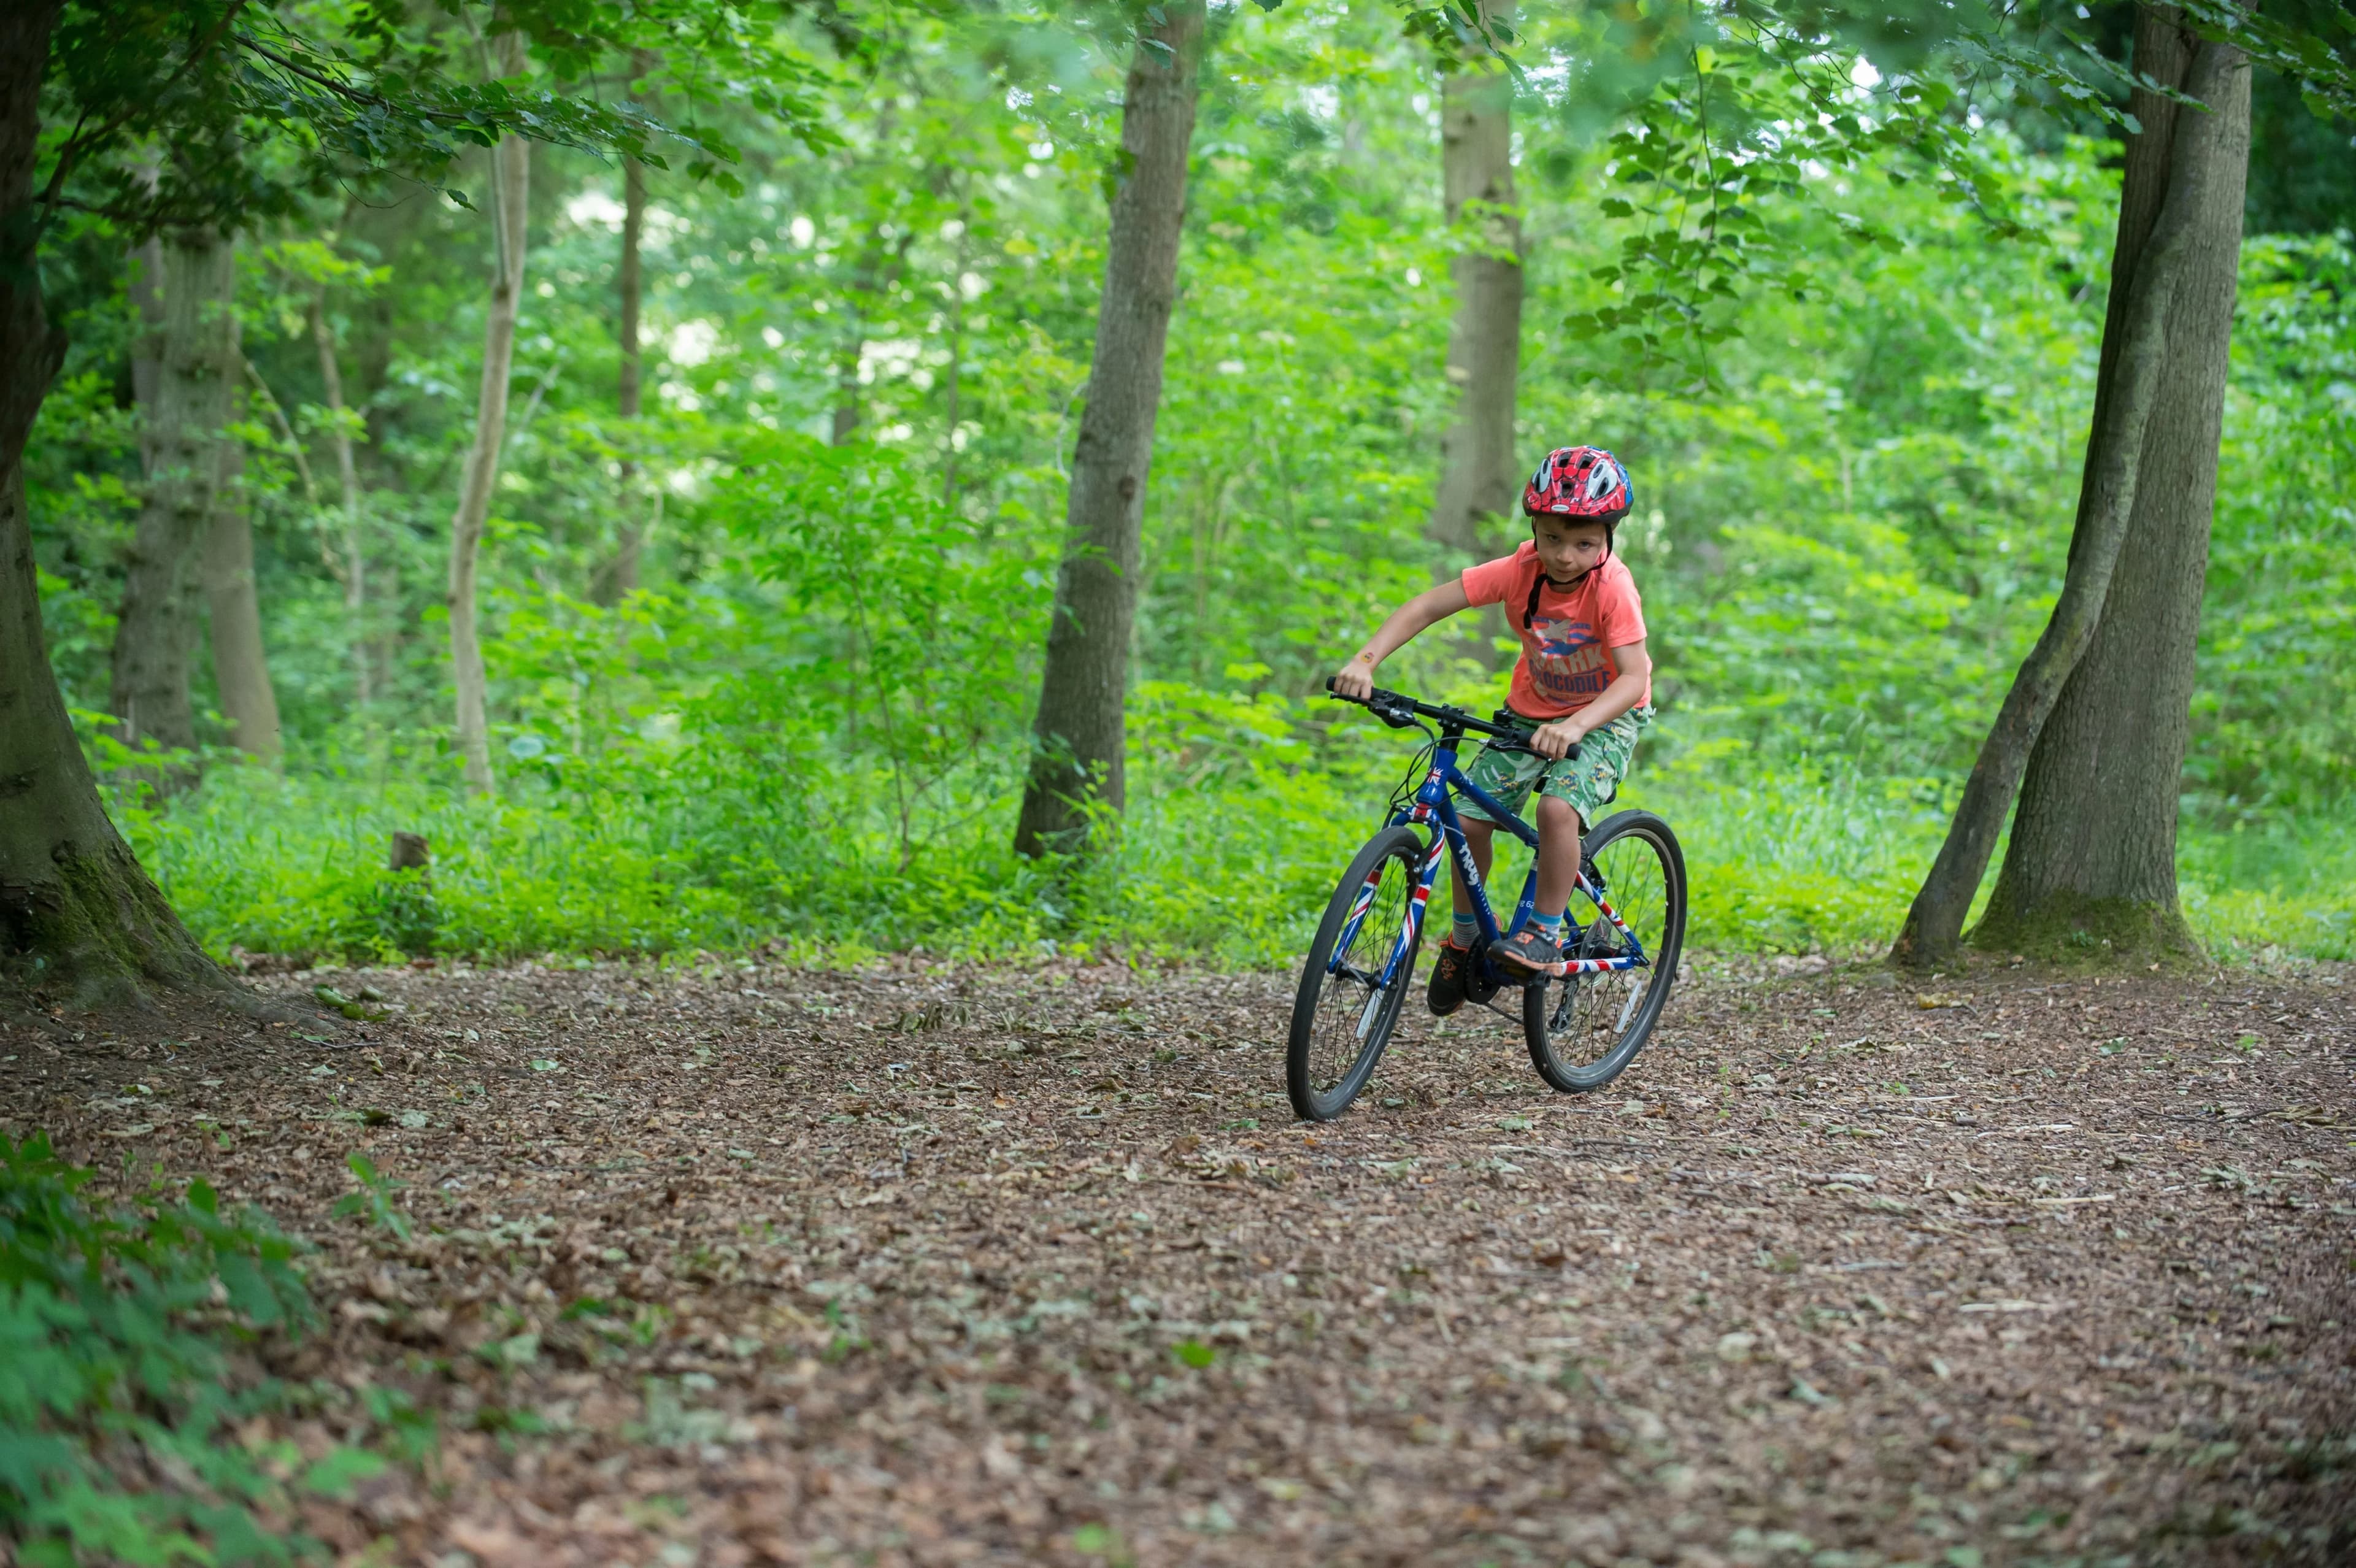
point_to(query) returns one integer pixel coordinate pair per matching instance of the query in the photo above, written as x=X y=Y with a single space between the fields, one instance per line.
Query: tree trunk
x=510 y=172
x=240 y=666
x=355 y=599
x=622 y=578
x=145 y=287
x=2092 y=862
x=232 y=603
x=195 y=359
x=1078 y=743
x=1479 y=479
x=845 y=422
x=953 y=385
x=868 y=292
x=80 y=921
x=2176 y=174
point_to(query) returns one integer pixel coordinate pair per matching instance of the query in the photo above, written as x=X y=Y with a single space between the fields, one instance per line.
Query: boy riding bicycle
x=1583 y=679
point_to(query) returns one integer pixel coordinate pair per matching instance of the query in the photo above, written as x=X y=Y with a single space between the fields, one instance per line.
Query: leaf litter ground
x=935 y=1265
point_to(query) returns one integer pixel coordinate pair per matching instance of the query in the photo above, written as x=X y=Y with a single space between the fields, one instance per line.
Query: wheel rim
x=1587 y=1016
x=1351 y=1015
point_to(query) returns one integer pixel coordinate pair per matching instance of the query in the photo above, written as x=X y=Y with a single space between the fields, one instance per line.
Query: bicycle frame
x=1435 y=809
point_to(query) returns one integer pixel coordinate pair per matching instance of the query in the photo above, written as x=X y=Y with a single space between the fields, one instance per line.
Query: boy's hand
x=1356 y=680
x=1556 y=738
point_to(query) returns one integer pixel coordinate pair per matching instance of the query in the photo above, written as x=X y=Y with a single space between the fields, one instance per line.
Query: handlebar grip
x=1502 y=744
x=1375 y=699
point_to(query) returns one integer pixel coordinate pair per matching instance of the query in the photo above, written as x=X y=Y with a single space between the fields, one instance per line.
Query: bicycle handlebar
x=1400 y=711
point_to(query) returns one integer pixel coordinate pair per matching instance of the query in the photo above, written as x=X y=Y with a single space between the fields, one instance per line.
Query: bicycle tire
x=1583 y=1030
x=1319 y=1084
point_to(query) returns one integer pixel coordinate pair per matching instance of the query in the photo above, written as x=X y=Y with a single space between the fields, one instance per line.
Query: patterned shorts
x=1588 y=782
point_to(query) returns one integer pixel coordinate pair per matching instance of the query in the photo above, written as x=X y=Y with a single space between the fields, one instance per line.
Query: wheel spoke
x=1582 y=1038
x=1355 y=1010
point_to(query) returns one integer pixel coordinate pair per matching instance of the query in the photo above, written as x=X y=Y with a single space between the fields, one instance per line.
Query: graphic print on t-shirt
x=1567 y=660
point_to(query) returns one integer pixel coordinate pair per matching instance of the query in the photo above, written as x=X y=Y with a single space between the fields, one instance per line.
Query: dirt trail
x=956 y=1266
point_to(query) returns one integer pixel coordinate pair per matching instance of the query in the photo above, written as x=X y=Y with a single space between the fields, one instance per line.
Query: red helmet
x=1579 y=482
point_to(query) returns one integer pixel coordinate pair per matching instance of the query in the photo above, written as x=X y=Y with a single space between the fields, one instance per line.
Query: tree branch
x=76 y=145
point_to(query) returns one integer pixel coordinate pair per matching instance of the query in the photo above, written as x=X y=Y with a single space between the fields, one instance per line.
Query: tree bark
x=629 y=281
x=868 y=291
x=953 y=382
x=348 y=478
x=233 y=604
x=145 y=287
x=844 y=423
x=1479 y=479
x=2175 y=179
x=2091 y=862
x=80 y=921
x=1078 y=742
x=510 y=174
x=194 y=361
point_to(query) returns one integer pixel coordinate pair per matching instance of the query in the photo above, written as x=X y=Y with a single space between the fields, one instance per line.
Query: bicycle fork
x=1379 y=986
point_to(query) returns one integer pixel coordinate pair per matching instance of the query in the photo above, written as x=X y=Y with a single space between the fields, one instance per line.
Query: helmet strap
x=1541 y=582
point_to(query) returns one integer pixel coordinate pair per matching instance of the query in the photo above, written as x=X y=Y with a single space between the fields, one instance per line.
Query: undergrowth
x=1226 y=864
x=128 y=1395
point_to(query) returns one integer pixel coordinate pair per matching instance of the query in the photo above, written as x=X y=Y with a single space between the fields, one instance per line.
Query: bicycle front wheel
x=1361 y=966
x=1583 y=1030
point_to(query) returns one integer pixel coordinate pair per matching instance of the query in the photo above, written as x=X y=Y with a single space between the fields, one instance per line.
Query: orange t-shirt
x=1565 y=659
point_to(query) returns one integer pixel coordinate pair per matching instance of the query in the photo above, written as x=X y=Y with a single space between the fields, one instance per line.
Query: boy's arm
x=1428 y=608
x=1636 y=668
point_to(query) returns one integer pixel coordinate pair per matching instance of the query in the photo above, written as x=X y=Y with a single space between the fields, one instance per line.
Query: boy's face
x=1569 y=546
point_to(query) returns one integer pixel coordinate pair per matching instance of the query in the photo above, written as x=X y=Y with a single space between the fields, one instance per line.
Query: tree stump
x=410 y=853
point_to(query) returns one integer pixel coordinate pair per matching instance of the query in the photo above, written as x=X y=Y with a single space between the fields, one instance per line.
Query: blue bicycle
x=1585 y=1020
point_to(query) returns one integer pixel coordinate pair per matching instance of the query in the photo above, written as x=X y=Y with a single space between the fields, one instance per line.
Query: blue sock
x=1547 y=925
x=1464 y=931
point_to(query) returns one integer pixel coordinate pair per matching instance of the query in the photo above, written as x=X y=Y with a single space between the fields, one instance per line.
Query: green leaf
x=250 y=1290
x=332 y=1475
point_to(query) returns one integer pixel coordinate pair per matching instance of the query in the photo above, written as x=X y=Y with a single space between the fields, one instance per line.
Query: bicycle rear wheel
x=1344 y=1011
x=1583 y=1030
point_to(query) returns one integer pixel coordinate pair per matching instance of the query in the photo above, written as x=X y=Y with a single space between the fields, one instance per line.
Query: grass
x=2285 y=890
x=1231 y=869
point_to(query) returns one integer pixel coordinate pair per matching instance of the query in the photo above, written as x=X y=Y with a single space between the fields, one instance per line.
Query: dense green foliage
x=120 y=1389
x=808 y=724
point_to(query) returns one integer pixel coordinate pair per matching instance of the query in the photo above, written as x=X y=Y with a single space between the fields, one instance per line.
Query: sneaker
x=1447 y=977
x=1529 y=952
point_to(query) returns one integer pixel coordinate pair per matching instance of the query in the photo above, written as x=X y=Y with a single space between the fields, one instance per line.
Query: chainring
x=1480 y=981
